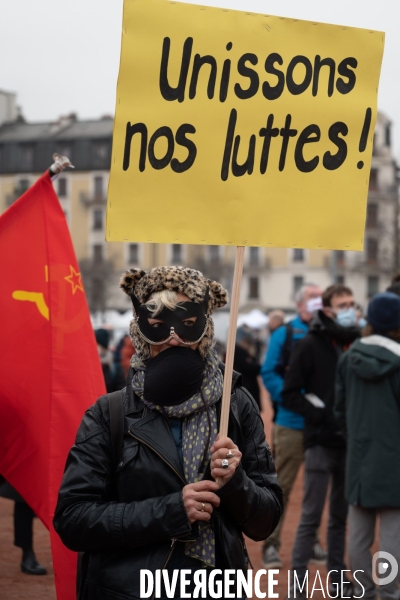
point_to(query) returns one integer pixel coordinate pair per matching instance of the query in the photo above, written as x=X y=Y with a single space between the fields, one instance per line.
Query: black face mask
x=174 y=323
x=173 y=376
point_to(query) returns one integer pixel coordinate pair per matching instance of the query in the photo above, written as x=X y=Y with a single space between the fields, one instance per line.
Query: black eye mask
x=174 y=322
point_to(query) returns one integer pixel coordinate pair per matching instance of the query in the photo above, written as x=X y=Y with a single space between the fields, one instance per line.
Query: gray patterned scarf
x=199 y=430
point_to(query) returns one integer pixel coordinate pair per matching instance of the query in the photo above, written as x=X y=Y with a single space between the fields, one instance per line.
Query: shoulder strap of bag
x=287 y=347
x=116 y=423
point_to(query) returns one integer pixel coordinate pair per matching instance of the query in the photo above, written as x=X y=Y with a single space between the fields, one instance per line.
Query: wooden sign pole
x=230 y=347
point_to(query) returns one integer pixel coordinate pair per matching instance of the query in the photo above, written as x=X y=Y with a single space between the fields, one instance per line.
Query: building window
x=372 y=250
x=23 y=186
x=62 y=187
x=214 y=254
x=133 y=253
x=372 y=216
x=98 y=187
x=298 y=281
x=373 y=180
x=100 y=153
x=372 y=285
x=25 y=162
x=388 y=135
x=97 y=252
x=177 y=253
x=20 y=188
x=254 y=258
x=298 y=255
x=253 y=288
x=98 y=220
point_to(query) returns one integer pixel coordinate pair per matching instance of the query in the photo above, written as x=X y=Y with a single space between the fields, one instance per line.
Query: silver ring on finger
x=224 y=463
x=230 y=454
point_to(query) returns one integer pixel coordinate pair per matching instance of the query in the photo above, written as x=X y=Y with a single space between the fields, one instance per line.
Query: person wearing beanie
x=160 y=506
x=367 y=409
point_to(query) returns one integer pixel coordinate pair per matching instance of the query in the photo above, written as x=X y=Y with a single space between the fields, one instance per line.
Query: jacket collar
x=323 y=325
x=153 y=431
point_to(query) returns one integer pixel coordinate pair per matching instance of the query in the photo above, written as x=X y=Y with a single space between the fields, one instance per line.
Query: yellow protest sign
x=241 y=129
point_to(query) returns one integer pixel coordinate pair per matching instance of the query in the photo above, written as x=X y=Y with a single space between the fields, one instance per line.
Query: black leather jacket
x=130 y=514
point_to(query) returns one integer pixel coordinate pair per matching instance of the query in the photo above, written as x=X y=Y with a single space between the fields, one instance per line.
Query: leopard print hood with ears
x=182 y=280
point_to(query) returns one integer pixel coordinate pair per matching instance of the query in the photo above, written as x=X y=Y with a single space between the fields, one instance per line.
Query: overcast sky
x=63 y=57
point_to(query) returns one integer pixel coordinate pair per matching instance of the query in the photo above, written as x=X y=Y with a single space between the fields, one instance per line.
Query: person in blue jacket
x=288 y=425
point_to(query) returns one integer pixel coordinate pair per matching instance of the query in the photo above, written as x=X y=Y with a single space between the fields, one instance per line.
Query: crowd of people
x=333 y=381
x=333 y=378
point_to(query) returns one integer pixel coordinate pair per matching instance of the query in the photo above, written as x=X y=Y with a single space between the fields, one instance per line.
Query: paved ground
x=15 y=585
x=288 y=532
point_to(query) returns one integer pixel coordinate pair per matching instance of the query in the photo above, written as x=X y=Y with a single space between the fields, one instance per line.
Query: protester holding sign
x=160 y=506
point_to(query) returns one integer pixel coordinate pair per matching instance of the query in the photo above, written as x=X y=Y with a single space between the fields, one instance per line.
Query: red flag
x=49 y=369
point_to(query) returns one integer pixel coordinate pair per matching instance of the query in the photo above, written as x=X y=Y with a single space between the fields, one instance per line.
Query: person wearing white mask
x=309 y=391
x=288 y=425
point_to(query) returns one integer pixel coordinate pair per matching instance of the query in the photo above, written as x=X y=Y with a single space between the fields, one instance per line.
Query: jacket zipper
x=158 y=454
x=174 y=470
x=173 y=542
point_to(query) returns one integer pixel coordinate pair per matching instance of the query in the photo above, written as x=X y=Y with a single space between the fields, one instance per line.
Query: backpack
x=116 y=407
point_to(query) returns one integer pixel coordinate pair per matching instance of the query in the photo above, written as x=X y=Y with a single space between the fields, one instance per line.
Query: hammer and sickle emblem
x=35 y=297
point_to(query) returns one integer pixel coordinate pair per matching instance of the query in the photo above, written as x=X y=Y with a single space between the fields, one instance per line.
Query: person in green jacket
x=367 y=408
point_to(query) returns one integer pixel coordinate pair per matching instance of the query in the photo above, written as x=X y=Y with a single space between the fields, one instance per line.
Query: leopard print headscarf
x=182 y=280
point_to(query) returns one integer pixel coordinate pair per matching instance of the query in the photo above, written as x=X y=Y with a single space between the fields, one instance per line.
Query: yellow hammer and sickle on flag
x=74 y=278
x=35 y=297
